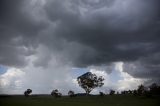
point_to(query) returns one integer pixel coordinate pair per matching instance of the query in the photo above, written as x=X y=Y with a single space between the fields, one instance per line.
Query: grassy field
x=115 y=100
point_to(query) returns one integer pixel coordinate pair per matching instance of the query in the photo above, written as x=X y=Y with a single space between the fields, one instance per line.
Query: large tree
x=89 y=81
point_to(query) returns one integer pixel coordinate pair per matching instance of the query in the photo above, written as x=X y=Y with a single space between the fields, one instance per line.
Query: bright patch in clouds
x=127 y=82
x=11 y=81
x=117 y=79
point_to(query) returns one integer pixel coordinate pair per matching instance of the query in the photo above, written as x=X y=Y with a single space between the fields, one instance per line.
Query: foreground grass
x=115 y=100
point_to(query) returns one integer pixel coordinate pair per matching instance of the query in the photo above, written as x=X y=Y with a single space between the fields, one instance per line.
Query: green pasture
x=115 y=100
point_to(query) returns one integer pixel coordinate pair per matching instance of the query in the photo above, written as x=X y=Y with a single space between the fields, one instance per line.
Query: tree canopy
x=89 y=81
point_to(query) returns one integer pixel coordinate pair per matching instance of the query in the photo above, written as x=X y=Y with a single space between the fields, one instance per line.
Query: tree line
x=89 y=81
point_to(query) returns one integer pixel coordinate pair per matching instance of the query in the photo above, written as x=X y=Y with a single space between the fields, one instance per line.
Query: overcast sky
x=47 y=44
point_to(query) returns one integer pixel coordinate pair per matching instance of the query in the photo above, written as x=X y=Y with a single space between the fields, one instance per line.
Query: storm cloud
x=82 y=33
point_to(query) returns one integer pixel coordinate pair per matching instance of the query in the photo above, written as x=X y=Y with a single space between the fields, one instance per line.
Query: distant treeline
x=149 y=91
x=142 y=90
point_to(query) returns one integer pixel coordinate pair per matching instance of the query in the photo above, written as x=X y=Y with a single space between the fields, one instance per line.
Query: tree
x=140 y=90
x=71 y=93
x=55 y=93
x=27 y=92
x=112 y=92
x=155 y=89
x=89 y=81
x=135 y=92
x=101 y=94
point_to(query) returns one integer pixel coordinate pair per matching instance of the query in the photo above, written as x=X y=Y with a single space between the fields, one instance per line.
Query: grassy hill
x=47 y=100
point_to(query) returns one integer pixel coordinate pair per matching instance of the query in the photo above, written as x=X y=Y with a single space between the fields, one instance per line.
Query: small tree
x=155 y=89
x=55 y=93
x=89 y=81
x=140 y=90
x=101 y=94
x=71 y=93
x=27 y=92
x=135 y=92
x=112 y=92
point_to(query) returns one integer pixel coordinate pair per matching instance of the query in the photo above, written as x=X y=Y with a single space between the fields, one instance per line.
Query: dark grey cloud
x=113 y=36
x=18 y=32
x=125 y=31
x=145 y=67
x=82 y=33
